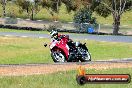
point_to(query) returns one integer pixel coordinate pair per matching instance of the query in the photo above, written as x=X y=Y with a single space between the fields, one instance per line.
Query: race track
x=109 y=38
x=45 y=68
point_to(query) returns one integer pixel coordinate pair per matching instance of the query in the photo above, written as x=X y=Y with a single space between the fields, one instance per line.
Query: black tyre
x=85 y=55
x=58 y=56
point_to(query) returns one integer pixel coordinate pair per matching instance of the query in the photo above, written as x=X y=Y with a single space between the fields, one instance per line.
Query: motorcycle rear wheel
x=58 y=56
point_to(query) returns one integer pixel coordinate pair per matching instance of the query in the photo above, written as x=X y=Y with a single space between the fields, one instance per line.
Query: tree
x=84 y=16
x=3 y=3
x=107 y=7
x=53 y=5
x=70 y=5
x=30 y=6
x=116 y=8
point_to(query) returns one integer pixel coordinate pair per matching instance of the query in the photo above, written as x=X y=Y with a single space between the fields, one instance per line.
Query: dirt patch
x=20 y=70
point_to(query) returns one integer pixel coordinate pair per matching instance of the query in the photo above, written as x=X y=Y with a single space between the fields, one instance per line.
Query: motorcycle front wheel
x=58 y=56
x=85 y=55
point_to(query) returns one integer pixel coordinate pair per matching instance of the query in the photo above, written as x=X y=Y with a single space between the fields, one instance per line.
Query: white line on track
x=41 y=37
x=27 y=19
x=18 y=18
x=8 y=35
x=24 y=36
x=39 y=20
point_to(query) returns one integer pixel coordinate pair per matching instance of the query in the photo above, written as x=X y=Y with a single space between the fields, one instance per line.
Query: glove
x=45 y=45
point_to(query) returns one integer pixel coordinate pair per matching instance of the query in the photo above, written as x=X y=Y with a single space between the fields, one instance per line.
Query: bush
x=83 y=19
x=82 y=16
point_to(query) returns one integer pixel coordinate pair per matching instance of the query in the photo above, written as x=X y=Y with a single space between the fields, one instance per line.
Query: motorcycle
x=63 y=50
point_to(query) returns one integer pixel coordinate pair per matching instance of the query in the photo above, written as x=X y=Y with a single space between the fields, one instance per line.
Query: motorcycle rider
x=74 y=48
x=56 y=36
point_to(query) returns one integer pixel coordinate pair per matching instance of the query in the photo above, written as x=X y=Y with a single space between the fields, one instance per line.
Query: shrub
x=83 y=19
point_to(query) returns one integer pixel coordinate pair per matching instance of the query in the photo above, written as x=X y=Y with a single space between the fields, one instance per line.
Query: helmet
x=53 y=33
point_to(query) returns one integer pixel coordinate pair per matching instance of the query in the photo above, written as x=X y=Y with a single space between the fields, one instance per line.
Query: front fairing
x=62 y=44
x=53 y=44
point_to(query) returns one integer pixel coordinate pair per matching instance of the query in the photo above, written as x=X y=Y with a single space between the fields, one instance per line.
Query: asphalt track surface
x=125 y=60
x=108 y=38
x=48 y=68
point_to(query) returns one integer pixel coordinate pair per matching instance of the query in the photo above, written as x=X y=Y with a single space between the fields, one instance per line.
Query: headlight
x=77 y=44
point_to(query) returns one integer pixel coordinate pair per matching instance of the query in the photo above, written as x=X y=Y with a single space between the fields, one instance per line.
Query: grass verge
x=61 y=80
x=20 y=31
x=15 y=50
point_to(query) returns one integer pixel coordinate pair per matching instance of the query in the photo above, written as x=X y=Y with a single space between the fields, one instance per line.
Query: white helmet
x=53 y=33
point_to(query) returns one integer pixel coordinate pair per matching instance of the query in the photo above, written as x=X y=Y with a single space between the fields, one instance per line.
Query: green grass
x=23 y=50
x=43 y=14
x=107 y=50
x=63 y=16
x=28 y=31
x=61 y=80
x=126 y=19
x=15 y=50
x=23 y=31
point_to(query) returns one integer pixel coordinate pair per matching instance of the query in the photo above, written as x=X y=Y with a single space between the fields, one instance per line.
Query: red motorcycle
x=63 y=50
